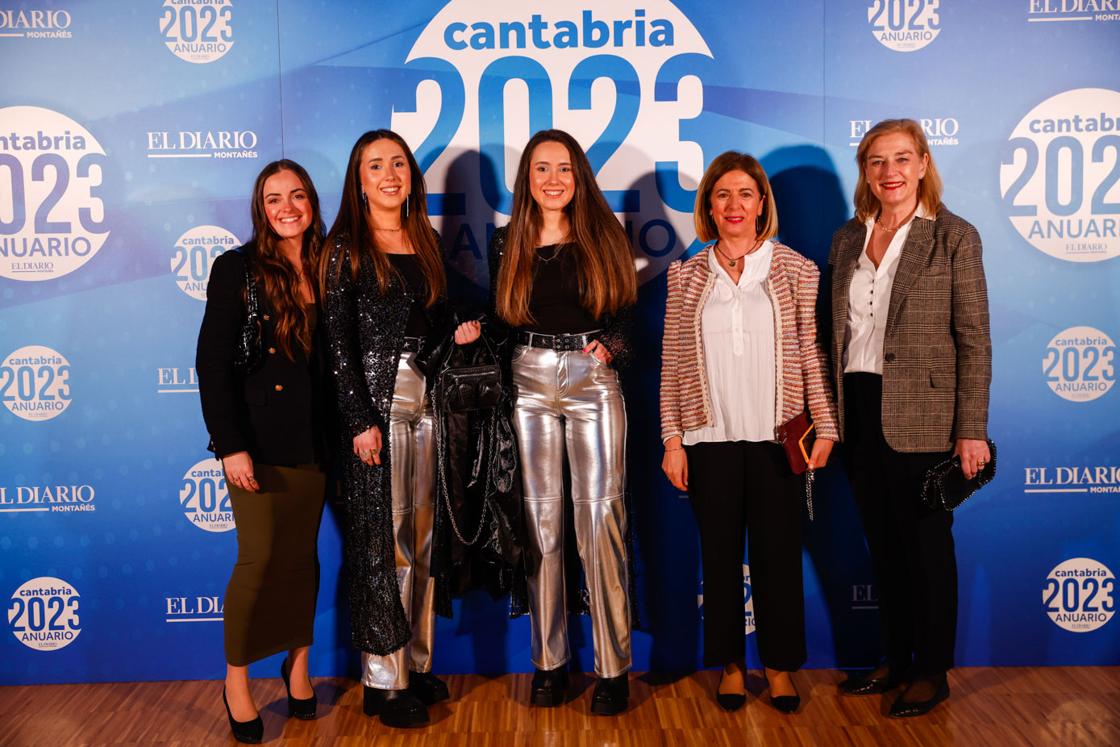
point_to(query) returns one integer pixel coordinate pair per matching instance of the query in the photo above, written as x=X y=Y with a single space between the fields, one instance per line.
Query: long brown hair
x=766 y=227
x=929 y=188
x=607 y=281
x=279 y=279
x=351 y=225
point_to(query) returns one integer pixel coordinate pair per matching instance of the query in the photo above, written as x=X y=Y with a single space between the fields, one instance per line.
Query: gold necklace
x=879 y=221
x=733 y=262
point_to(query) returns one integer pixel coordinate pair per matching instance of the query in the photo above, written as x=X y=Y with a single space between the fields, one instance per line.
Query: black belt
x=559 y=343
x=412 y=344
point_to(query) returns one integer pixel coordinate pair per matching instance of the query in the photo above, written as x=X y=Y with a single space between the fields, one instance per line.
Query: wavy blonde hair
x=929 y=188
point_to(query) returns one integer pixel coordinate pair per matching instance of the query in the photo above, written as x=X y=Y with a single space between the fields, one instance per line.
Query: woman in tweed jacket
x=912 y=363
x=739 y=358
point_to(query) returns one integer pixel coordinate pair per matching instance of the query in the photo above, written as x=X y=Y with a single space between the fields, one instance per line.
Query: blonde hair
x=929 y=188
x=766 y=227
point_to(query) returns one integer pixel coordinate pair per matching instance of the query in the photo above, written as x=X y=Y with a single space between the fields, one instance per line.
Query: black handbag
x=945 y=486
x=247 y=356
x=476 y=386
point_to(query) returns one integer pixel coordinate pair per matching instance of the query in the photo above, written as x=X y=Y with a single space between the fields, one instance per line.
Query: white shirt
x=869 y=298
x=737 y=325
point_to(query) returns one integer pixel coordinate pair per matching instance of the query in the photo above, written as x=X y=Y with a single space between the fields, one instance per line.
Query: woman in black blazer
x=265 y=422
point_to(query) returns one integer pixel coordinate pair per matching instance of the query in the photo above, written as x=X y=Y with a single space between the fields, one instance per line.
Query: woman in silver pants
x=563 y=279
x=384 y=296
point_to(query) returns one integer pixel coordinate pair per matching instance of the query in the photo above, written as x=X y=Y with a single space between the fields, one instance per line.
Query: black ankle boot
x=550 y=687
x=427 y=687
x=611 y=696
x=247 y=732
x=302 y=708
x=399 y=709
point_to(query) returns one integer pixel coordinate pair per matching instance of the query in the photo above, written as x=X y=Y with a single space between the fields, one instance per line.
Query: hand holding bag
x=945 y=486
x=797 y=436
x=475 y=386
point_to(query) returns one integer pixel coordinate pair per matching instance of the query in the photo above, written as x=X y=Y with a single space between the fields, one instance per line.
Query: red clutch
x=796 y=436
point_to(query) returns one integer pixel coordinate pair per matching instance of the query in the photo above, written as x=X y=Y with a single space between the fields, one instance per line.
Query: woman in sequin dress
x=385 y=303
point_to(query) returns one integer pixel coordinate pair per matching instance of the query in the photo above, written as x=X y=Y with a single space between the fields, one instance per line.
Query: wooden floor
x=1001 y=707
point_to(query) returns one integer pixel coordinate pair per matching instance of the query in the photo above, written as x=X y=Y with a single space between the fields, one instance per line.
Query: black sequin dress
x=365 y=334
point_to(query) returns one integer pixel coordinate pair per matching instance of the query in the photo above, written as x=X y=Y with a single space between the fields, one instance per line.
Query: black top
x=408 y=265
x=615 y=327
x=275 y=412
x=555 y=300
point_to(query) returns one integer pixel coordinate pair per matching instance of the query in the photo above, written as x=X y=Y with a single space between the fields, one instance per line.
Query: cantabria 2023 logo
x=52 y=211
x=1060 y=175
x=905 y=25
x=623 y=79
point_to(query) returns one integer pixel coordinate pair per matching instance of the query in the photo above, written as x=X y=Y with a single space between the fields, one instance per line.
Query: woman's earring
x=365 y=201
x=407 y=198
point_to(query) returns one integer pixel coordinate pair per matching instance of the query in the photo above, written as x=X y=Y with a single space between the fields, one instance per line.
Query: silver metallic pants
x=570 y=401
x=412 y=450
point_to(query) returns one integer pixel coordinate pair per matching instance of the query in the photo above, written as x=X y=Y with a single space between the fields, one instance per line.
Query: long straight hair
x=280 y=280
x=351 y=225
x=607 y=281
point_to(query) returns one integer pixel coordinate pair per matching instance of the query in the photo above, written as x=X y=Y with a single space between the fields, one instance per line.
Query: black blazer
x=274 y=412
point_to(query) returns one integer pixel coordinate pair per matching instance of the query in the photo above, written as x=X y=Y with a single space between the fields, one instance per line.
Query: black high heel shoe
x=303 y=709
x=246 y=732
x=729 y=701
x=786 y=703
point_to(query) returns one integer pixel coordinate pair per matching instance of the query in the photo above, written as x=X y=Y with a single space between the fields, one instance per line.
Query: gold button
x=279 y=387
x=272 y=351
x=266 y=317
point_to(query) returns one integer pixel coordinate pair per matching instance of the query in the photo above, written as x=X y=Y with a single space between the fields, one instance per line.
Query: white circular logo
x=204 y=497
x=197 y=31
x=624 y=80
x=43 y=614
x=1079 y=595
x=52 y=213
x=748 y=601
x=1079 y=364
x=35 y=383
x=1060 y=175
x=195 y=252
x=904 y=25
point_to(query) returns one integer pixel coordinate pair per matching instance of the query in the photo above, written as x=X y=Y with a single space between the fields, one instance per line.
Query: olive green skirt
x=270 y=600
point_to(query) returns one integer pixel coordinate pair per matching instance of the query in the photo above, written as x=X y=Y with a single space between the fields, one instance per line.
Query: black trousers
x=911 y=546
x=737 y=486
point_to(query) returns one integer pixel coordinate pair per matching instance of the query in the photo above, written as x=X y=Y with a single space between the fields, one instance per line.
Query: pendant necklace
x=734 y=262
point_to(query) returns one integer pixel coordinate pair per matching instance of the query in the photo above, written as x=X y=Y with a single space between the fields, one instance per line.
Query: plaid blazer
x=800 y=366
x=937 y=348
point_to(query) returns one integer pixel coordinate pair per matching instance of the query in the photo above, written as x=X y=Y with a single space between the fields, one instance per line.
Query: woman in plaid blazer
x=740 y=358
x=911 y=359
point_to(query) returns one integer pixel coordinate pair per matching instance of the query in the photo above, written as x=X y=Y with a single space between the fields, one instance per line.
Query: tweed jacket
x=801 y=373
x=937 y=348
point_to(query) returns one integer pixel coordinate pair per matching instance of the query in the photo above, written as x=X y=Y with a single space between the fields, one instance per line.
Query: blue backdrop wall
x=130 y=134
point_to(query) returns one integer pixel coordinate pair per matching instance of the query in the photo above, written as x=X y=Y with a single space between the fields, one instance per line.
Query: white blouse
x=737 y=326
x=869 y=298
